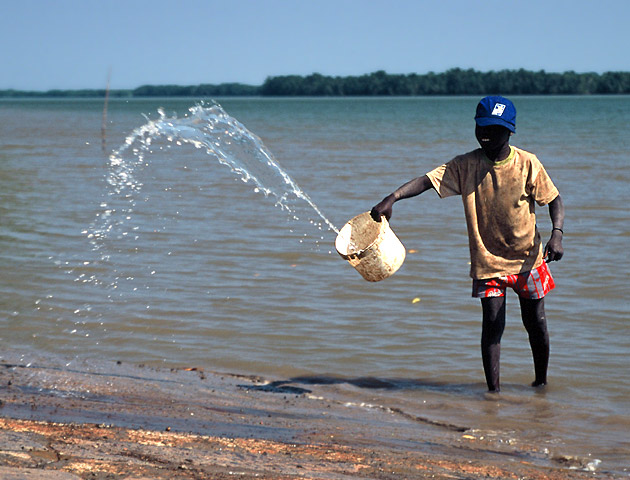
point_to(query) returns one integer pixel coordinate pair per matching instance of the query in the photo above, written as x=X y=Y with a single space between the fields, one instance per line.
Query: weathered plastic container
x=372 y=248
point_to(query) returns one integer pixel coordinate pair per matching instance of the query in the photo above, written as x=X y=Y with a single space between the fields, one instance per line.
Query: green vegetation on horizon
x=452 y=82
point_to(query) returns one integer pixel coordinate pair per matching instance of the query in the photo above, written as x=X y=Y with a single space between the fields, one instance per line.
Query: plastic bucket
x=372 y=248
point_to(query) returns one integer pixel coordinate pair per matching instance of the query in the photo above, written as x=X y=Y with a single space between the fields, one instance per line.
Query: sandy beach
x=138 y=422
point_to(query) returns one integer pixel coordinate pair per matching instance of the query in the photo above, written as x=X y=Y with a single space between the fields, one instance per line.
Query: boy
x=500 y=185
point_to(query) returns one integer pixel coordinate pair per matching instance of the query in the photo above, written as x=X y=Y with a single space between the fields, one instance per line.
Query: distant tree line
x=206 y=90
x=452 y=82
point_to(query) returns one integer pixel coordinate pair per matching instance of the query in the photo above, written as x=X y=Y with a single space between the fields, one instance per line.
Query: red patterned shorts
x=533 y=284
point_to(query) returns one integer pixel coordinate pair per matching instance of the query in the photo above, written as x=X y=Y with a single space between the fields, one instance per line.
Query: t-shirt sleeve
x=542 y=188
x=445 y=179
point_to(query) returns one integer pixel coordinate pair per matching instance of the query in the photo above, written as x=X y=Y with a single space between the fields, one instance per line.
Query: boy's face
x=493 y=139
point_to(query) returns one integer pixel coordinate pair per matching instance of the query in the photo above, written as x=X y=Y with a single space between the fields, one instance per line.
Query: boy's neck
x=499 y=155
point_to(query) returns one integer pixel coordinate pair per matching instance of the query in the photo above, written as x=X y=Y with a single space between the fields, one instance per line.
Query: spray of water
x=211 y=130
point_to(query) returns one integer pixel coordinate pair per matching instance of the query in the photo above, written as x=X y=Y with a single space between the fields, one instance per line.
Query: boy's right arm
x=409 y=189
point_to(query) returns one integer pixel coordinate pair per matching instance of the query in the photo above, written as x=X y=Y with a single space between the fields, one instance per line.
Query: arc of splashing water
x=199 y=129
x=209 y=128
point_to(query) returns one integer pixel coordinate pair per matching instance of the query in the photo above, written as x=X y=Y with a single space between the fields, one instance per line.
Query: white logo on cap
x=498 y=109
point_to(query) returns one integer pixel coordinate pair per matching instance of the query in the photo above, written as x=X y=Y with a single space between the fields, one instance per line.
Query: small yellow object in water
x=412 y=250
x=415 y=300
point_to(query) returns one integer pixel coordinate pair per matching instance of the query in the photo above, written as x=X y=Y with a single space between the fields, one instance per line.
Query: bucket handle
x=356 y=255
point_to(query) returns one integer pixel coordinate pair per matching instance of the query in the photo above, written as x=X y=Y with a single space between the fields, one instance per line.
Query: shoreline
x=130 y=421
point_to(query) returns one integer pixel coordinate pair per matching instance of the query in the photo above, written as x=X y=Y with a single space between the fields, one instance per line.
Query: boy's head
x=496 y=110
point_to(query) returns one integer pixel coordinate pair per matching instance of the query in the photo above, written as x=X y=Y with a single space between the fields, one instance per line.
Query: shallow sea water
x=208 y=271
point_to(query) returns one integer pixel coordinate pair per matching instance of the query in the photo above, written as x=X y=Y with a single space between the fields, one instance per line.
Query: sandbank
x=122 y=421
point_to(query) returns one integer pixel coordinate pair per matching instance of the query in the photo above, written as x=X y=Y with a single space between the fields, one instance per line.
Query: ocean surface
x=178 y=233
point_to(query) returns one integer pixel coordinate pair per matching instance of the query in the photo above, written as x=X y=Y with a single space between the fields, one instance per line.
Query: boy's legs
x=493 y=324
x=531 y=288
x=535 y=322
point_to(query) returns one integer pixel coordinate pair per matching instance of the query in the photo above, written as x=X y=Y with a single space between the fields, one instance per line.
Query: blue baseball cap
x=496 y=110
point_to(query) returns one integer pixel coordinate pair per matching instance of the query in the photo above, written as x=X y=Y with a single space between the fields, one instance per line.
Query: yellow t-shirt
x=499 y=207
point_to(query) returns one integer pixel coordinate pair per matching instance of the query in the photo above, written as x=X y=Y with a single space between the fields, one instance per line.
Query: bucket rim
x=383 y=224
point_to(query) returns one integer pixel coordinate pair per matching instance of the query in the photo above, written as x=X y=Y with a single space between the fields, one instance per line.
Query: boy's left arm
x=554 y=250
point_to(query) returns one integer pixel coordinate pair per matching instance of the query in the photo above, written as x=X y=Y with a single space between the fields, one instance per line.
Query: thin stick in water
x=104 y=122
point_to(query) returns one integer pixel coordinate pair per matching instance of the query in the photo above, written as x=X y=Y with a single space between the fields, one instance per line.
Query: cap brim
x=486 y=121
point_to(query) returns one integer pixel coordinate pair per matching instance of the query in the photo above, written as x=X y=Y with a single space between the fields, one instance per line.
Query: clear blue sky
x=70 y=44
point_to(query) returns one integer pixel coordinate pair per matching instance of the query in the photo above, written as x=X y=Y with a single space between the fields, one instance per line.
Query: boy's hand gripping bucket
x=372 y=248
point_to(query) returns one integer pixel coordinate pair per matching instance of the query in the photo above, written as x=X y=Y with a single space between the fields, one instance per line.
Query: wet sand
x=135 y=422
